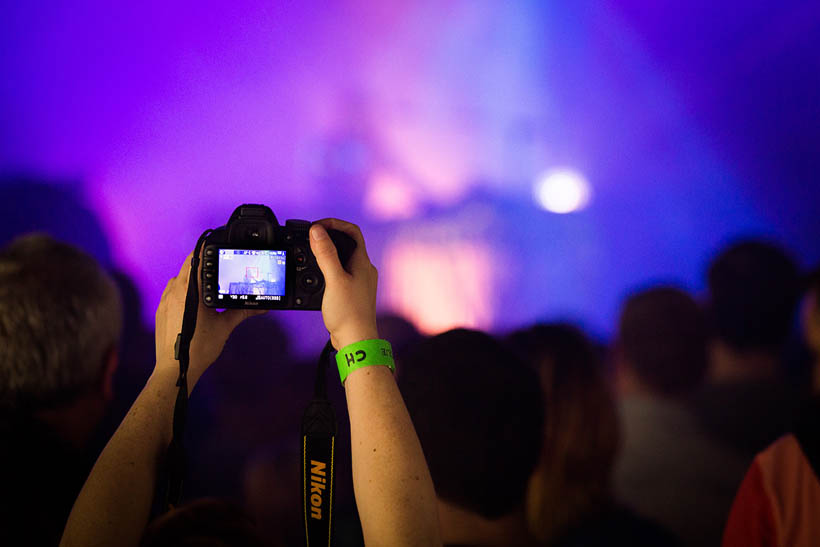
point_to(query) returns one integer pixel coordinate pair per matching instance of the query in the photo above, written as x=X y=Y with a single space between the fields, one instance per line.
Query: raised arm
x=114 y=504
x=392 y=484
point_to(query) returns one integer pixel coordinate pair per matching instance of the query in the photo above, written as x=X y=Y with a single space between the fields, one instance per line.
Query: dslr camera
x=253 y=262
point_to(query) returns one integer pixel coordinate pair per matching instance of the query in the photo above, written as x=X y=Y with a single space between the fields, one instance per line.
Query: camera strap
x=176 y=459
x=318 y=451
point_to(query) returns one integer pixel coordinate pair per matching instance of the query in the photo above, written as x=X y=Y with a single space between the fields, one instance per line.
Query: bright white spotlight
x=562 y=191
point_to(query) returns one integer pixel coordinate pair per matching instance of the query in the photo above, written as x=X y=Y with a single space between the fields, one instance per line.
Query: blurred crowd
x=696 y=425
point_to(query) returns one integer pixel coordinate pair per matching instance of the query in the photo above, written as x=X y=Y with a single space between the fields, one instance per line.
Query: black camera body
x=254 y=263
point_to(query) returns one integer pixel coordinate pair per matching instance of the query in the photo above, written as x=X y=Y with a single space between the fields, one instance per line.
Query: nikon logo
x=318 y=483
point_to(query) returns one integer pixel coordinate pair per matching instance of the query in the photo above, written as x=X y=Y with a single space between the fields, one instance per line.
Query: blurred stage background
x=457 y=134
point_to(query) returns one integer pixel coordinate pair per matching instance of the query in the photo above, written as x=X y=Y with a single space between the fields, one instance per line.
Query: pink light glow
x=439 y=286
x=390 y=198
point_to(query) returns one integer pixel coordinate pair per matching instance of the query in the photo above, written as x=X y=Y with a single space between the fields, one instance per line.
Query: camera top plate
x=254 y=228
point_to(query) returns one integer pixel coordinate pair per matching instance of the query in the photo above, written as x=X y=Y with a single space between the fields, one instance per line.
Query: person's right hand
x=349 y=302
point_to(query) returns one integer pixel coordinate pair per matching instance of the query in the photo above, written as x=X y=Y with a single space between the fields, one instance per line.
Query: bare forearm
x=390 y=475
x=114 y=504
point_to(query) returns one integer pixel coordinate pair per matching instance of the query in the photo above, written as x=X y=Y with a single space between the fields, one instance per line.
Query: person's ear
x=111 y=360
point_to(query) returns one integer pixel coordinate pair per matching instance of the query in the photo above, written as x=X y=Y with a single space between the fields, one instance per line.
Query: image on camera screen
x=249 y=274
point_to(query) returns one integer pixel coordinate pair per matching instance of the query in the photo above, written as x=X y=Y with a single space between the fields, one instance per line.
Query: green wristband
x=364 y=354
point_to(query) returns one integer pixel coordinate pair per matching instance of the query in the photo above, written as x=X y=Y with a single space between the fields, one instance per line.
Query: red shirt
x=778 y=503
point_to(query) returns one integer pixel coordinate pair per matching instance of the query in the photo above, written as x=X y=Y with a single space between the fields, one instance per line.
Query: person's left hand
x=212 y=328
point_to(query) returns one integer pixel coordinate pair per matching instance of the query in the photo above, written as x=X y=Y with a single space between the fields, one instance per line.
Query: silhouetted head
x=399 y=331
x=662 y=338
x=60 y=323
x=479 y=414
x=810 y=323
x=252 y=358
x=581 y=431
x=205 y=522
x=754 y=287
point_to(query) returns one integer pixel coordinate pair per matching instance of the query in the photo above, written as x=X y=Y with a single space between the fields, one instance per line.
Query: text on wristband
x=351 y=358
x=360 y=355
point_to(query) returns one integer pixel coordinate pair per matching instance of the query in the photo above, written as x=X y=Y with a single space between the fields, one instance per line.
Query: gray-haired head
x=60 y=315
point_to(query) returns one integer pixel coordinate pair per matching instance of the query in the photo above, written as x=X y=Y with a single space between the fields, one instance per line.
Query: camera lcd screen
x=252 y=274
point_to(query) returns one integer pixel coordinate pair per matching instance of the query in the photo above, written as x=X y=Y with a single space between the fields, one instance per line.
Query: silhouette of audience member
x=753 y=292
x=570 y=500
x=668 y=469
x=572 y=479
x=209 y=521
x=272 y=488
x=479 y=415
x=254 y=395
x=778 y=503
x=32 y=203
x=810 y=322
x=60 y=323
x=397 y=328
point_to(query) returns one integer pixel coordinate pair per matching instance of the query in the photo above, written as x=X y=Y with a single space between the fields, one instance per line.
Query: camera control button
x=209 y=275
x=310 y=282
x=300 y=259
x=299 y=301
x=209 y=298
x=209 y=264
x=210 y=251
x=209 y=287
